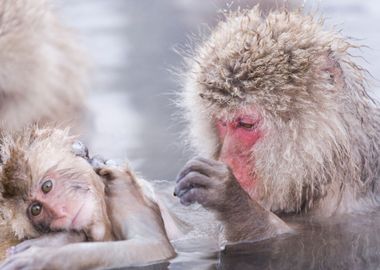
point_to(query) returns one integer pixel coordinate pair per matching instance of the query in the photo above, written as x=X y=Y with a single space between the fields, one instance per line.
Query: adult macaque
x=52 y=194
x=42 y=68
x=282 y=110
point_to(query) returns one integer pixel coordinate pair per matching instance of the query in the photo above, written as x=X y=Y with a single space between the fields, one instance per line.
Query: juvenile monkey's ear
x=16 y=175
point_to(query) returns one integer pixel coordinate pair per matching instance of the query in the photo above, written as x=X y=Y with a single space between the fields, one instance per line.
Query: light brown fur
x=26 y=158
x=129 y=224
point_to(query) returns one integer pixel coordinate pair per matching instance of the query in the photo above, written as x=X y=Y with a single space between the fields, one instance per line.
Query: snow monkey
x=281 y=111
x=42 y=68
x=76 y=218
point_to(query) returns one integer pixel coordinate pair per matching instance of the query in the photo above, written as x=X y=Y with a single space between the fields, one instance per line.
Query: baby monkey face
x=62 y=200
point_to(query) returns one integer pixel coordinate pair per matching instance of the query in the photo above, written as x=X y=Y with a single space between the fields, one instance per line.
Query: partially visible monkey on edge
x=42 y=67
x=54 y=195
x=281 y=111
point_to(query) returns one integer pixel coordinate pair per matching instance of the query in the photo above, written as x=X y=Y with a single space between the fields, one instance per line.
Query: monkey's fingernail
x=182 y=192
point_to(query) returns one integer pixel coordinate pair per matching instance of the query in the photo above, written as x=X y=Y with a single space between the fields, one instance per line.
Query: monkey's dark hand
x=97 y=162
x=212 y=184
x=79 y=149
x=208 y=183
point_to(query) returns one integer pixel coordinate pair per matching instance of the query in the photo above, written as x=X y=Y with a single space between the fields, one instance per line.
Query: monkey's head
x=45 y=187
x=279 y=100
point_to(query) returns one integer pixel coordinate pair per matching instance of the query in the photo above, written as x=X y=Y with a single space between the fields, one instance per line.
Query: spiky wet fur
x=321 y=145
x=42 y=67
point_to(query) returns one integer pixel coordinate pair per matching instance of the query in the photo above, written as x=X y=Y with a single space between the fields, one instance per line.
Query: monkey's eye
x=246 y=125
x=47 y=186
x=36 y=209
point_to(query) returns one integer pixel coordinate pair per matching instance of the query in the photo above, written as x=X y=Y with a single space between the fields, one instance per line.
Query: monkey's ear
x=16 y=175
x=331 y=70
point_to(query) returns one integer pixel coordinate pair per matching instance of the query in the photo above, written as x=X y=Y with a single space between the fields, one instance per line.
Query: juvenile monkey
x=54 y=195
x=281 y=111
x=42 y=68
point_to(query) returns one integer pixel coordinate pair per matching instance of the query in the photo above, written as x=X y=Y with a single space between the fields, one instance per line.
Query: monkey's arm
x=212 y=184
x=144 y=247
x=90 y=255
x=49 y=240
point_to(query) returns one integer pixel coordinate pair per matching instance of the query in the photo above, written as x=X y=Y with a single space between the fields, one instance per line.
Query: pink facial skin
x=64 y=207
x=237 y=137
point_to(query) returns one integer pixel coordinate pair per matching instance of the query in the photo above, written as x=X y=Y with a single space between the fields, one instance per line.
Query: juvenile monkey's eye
x=47 y=186
x=36 y=209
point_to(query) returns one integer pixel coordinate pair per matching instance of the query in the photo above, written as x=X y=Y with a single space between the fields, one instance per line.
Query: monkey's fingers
x=97 y=163
x=21 y=247
x=80 y=149
x=196 y=165
x=208 y=161
x=11 y=251
x=191 y=180
x=194 y=195
x=14 y=263
x=14 y=250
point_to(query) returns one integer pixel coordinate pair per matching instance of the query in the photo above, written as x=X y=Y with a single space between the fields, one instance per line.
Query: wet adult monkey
x=54 y=196
x=282 y=110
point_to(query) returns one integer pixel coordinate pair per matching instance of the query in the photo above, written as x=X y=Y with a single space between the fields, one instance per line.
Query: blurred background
x=131 y=44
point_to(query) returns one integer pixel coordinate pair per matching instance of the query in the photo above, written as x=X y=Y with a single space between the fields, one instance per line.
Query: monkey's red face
x=60 y=203
x=237 y=137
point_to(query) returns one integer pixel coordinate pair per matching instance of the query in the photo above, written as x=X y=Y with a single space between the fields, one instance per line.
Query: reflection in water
x=347 y=242
x=350 y=242
x=344 y=242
